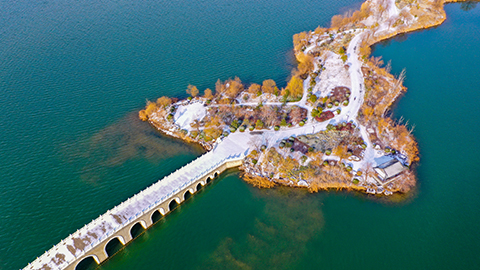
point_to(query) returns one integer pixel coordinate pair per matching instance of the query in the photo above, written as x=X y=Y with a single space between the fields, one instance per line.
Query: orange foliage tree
x=192 y=90
x=269 y=86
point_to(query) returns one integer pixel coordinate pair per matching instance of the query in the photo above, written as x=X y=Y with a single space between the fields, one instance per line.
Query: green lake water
x=73 y=75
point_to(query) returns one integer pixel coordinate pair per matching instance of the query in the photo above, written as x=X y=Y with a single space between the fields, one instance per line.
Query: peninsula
x=329 y=126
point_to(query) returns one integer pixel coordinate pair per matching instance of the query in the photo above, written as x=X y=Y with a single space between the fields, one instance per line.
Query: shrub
x=338 y=111
x=242 y=128
x=251 y=128
x=355 y=181
x=225 y=134
x=336 y=103
x=301 y=123
x=325 y=163
x=276 y=127
x=345 y=103
x=364 y=146
x=254 y=161
x=281 y=145
x=324 y=116
x=259 y=124
x=193 y=134
x=328 y=152
x=312 y=98
x=329 y=105
x=232 y=129
x=304 y=158
x=292 y=150
x=349 y=168
x=283 y=123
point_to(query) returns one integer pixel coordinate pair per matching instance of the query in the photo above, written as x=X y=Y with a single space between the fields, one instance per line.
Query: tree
x=296 y=114
x=163 y=101
x=234 y=87
x=337 y=21
x=219 y=86
x=299 y=40
x=259 y=124
x=192 y=90
x=268 y=115
x=305 y=63
x=255 y=88
x=208 y=93
x=269 y=86
x=295 y=87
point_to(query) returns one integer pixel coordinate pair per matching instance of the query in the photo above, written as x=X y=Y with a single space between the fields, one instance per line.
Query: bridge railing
x=47 y=256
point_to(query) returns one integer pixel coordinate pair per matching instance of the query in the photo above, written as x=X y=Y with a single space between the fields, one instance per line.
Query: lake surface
x=73 y=75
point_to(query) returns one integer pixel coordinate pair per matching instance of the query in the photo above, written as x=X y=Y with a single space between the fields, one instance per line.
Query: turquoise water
x=73 y=74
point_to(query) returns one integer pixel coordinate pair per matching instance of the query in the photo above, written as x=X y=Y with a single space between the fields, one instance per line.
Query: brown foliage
x=234 y=87
x=336 y=21
x=192 y=90
x=143 y=115
x=300 y=40
x=163 y=101
x=219 y=86
x=254 y=88
x=305 y=63
x=269 y=86
x=257 y=181
x=295 y=86
x=208 y=93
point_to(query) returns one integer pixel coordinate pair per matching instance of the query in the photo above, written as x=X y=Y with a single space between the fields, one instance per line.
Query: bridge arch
x=188 y=194
x=111 y=247
x=215 y=175
x=86 y=262
x=137 y=228
x=209 y=179
x=173 y=204
x=156 y=215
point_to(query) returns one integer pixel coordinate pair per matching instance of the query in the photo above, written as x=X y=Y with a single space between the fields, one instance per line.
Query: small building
x=390 y=169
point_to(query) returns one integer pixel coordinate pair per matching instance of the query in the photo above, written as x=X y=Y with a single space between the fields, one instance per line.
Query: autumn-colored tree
x=367 y=113
x=219 y=86
x=336 y=22
x=142 y=114
x=340 y=151
x=299 y=40
x=254 y=88
x=319 y=30
x=163 y=101
x=365 y=50
x=305 y=63
x=192 y=90
x=269 y=86
x=149 y=109
x=208 y=93
x=295 y=87
x=234 y=87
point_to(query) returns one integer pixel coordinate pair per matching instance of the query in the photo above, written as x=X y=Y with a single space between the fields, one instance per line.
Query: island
x=330 y=126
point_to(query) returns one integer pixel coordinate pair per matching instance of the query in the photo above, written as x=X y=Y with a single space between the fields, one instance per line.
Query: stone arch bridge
x=140 y=211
